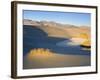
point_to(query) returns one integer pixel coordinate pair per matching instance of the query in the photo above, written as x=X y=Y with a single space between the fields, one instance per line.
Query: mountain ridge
x=57 y=29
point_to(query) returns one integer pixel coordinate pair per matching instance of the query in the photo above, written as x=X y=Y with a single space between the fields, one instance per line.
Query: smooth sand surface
x=54 y=60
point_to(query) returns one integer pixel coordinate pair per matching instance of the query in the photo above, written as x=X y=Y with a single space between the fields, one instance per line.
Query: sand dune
x=72 y=32
x=40 y=58
x=45 y=59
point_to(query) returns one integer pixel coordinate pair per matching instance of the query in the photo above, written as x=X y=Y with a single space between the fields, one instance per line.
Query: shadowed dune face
x=34 y=37
x=53 y=29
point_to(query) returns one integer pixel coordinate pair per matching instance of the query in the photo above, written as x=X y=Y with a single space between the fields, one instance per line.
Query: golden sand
x=44 y=58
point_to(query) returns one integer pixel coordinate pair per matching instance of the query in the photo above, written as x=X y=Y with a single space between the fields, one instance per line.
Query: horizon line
x=58 y=23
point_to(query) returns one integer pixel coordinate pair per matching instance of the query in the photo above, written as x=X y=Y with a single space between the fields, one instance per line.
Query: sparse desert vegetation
x=40 y=52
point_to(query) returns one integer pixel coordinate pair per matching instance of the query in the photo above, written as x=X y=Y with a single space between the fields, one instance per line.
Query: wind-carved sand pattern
x=51 y=44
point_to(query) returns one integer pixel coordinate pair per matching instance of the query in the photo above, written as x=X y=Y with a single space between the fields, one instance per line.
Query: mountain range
x=55 y=29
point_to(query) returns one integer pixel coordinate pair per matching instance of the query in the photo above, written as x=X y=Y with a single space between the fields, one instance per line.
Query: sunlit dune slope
x=42 y=58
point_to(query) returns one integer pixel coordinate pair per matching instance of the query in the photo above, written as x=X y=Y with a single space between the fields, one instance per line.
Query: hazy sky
x=60 y=17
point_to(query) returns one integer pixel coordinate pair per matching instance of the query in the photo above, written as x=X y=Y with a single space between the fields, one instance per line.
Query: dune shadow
x=34 y=37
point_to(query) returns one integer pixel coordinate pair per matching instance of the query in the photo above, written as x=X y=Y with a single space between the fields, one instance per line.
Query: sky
x=78 y=19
